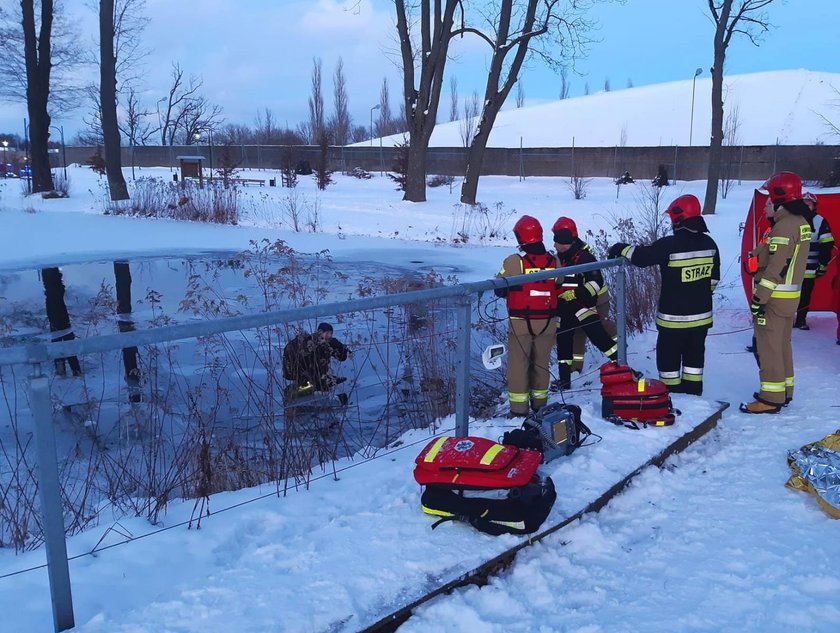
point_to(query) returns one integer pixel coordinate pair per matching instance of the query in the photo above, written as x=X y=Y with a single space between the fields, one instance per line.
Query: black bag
x=519 y=510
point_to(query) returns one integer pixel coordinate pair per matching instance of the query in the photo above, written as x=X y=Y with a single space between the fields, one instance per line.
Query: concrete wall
x=812 y=162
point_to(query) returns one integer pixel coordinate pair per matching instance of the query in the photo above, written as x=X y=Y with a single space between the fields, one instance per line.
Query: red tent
x=826 y=295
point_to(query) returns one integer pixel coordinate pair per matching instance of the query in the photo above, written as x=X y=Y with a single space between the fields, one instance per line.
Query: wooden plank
x=480 y=575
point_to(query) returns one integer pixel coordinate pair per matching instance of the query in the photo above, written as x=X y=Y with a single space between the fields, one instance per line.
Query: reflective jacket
x=819 y=249
x=781 y=263
x=536 y=300
x=689 y=264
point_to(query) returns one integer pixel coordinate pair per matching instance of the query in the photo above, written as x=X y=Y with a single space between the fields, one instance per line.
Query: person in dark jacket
x=583 y=305
x=819 y=255
x=307 y=357
x=689 y=263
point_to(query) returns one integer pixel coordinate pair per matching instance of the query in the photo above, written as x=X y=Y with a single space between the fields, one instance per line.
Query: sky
x=712 y=542
x=258 y=54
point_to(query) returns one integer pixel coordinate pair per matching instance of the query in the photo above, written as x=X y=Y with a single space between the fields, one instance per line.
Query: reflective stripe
x=641 y=385
x=789 y=382
x=584 y=313
x=767 y=283
x=693 y=370
x=578 y=356
x=683 y=325
x=693 y=377
x=593 y=287
x=683 y=318
x=779 y=240
x=541 y=293
x=430 y=456
x=516 y=525
x=490 y=455
x=518 y=397
x=697 y=261
x=773 y=387
x=539 y=394
x=670 y=382
x=691 y=255
x=565 y=361
x=610 y=351
x=669 y=374
x=628 y=252
x=826 y=239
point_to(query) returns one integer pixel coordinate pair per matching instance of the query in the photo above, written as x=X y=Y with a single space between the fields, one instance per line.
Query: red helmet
x=528 y=230
x=565 y=230
x=784 y=187
x=684 y=207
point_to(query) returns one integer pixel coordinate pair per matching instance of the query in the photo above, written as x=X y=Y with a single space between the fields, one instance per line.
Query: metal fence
x=35 y=355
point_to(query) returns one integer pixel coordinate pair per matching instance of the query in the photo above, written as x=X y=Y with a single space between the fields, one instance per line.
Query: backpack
x=628 y=398
x=555 y=430
x=494 y=488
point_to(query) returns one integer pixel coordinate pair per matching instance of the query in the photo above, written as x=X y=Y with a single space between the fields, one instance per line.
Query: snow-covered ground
x=711 y=542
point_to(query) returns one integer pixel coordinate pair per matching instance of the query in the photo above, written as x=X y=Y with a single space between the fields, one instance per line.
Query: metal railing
x=37 y=353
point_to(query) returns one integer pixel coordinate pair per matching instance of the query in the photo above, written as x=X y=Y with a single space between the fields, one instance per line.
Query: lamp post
x=697 y=73
x=376 y=107
x=63 y=149
x=5 y=149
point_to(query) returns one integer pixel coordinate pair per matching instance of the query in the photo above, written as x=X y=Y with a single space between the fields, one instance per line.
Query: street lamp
x=697 y=73
x=5 y=149
x=63 y=149
x=376 y=107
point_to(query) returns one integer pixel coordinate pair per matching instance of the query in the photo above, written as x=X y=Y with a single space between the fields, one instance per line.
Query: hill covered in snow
x=781 y=106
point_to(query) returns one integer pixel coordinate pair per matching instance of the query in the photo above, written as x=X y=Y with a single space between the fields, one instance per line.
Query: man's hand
x=616 y=250
x=821 y=270
x=756 y=308
x=567 y=295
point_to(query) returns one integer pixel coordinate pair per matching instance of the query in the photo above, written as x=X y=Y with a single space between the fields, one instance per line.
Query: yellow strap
x=430 y=456
x=491 y=453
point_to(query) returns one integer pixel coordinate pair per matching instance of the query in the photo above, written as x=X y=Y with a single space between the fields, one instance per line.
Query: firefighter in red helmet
x=776 y=291
x=689 y=264
x=582 y=307
x=531 y=311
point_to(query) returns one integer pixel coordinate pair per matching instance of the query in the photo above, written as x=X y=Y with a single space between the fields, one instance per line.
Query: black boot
x=564 y=379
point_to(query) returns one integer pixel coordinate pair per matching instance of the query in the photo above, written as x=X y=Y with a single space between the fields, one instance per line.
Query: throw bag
x=627 y=398
x=520 y=510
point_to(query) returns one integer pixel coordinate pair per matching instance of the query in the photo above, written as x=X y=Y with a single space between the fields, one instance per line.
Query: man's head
x=810 y=199
x=685 y=212
x=565 y=233
x=783 y=187
x=528 y=230
x=325 y=331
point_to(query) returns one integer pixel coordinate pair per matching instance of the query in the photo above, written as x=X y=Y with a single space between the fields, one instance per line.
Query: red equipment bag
x=629 y=399
x=474 y=463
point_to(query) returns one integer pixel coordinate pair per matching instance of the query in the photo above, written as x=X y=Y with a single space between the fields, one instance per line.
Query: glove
x=821 y=269
x=756 y=308
x=615 y=250
x=567 y=295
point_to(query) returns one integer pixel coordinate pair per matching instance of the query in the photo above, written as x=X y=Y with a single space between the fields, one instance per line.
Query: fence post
x=462 y=367
x=621 y=310
x=50 y=492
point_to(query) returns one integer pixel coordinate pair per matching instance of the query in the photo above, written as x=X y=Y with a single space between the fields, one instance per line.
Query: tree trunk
x=415 y=174
x=475 y=158
x=38 y=66
x=716 y=141
x=108 y=102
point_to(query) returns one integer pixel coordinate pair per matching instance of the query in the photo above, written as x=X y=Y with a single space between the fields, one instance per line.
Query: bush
x=97 y=162
x=361 y=174
x=439 y=180
x=153 y=198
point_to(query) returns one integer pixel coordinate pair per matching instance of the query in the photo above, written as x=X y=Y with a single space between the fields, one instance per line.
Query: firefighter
x=689 y=264
x=531 y=310
x=306 y=361
x=583 y=305
x=819 y=255
x=777 y=289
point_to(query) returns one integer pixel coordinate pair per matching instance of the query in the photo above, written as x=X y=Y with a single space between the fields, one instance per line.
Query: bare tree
x=422 y=73
x=748 y=18
x=629 y=82
x=731 y=141
x=564 y=82
x=384 y=125
x=607 y=84
x=195 y=117
x=520 y=94
x=179 y=93
x=66 y=58
x=469 y=121
x=108 y=101
x=265 y=129
x=453 y=98
x=340 y=122
x=832 y=126
x=554 y=30
x=37 y=51
x=316 y=103
x=586 y=88
x=135 y=127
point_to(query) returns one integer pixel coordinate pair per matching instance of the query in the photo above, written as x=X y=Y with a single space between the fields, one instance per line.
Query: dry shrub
x=154 y=198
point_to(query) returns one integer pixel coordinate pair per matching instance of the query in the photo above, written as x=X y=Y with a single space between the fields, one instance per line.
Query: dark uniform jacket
x=306 y=359
x=689 y=263
x=589 y=287
x=822 y=241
